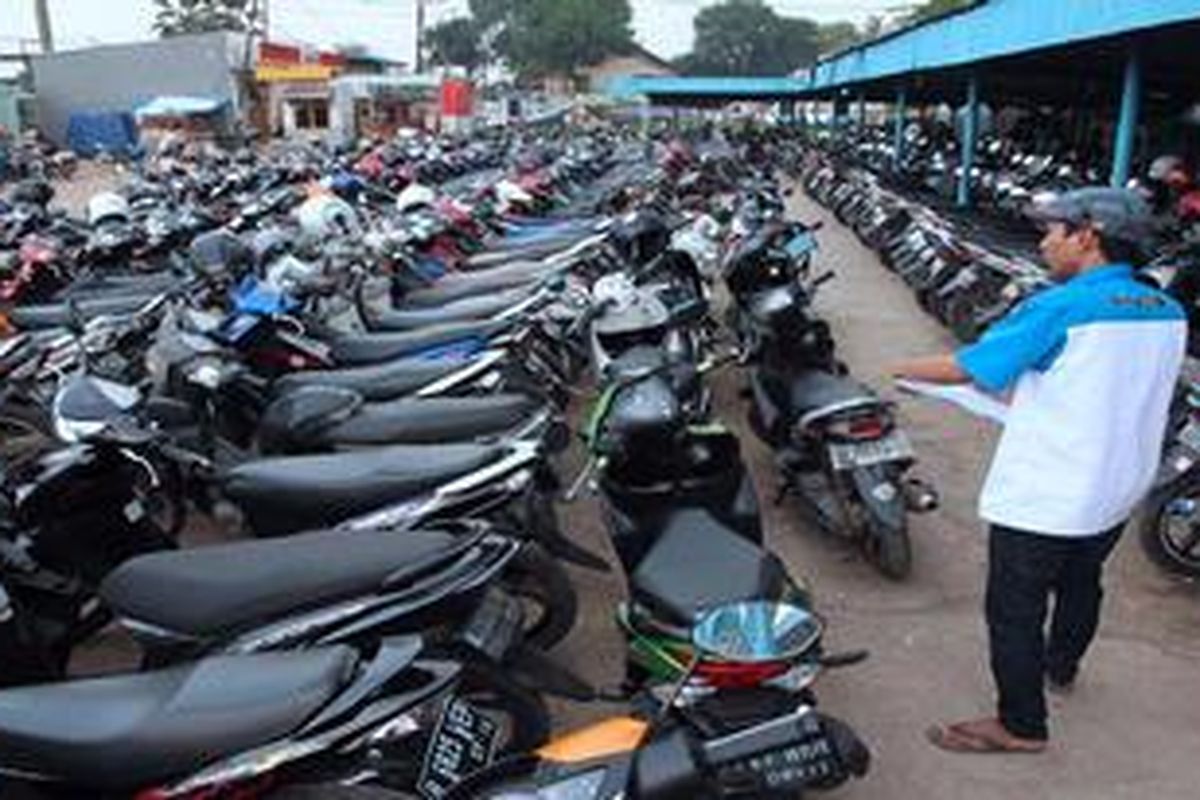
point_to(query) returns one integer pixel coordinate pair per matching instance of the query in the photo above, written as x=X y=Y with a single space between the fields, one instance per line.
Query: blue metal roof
x=995 y=29
x=631 y=86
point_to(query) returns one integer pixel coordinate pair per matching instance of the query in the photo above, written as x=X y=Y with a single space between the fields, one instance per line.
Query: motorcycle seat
x=58 y=315
x=430 y=420
x=291 y=493
x=506 y=251
x=383 y=381
x=461 y=285
x=370 y=348
x=464 y=310
x=130 y=731
x=220 y=590
x=697 y=563
x=815 y=394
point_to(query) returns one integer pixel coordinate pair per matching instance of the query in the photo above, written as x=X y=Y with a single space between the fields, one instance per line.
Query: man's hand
x=932 y=369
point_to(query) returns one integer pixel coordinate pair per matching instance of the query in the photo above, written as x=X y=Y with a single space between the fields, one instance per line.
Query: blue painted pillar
x=967 y=145
x=1131 y=102
x=898 y=142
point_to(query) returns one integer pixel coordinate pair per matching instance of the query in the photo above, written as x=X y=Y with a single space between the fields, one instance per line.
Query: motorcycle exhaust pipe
x=920 y=497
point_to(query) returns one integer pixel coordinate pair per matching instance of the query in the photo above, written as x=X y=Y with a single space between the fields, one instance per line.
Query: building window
x=311 y=114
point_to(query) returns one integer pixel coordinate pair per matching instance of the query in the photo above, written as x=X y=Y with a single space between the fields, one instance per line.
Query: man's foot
x=981 y=736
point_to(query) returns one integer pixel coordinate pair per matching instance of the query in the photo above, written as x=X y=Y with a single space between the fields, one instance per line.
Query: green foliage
x=747 y=37
x=456 y=42
x=931 y=9
x=545 y=37
x=548 y=37
x=177 y=17
x=836 y=35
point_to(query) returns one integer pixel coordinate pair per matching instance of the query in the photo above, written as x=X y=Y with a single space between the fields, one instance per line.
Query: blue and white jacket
x=1092 y=366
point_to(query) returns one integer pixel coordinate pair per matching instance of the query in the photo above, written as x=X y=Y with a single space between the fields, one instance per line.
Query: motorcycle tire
x=1178 y=558
x=540 y=580
x=889 y=549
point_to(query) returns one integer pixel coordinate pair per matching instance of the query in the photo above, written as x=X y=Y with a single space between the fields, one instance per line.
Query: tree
x=177 y=17
x=548 y=37
x=747 y=37
x=836 y=35
x=932 y=9
x=456 y=42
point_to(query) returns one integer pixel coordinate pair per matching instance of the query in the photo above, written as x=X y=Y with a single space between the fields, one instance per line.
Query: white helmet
x=325 y=215
x=107 y=206
x=415 y=196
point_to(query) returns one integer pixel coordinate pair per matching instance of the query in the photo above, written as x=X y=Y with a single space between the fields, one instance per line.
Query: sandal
x=967 y=737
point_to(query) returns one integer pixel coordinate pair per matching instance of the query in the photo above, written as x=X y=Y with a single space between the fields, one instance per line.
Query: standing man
x=1090 y=366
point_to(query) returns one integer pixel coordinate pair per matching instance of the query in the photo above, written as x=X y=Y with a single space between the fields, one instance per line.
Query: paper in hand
x=964 y=396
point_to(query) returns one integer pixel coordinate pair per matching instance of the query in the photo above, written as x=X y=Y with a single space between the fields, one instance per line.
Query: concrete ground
x=1132 y=727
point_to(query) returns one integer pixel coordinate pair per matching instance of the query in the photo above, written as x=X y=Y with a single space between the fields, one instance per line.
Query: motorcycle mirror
x=755 y=632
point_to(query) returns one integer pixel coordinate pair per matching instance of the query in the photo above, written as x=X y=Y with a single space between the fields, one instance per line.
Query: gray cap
x=1117 y=213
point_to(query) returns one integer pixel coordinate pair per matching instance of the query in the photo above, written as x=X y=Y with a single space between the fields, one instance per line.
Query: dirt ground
x=1131 y=729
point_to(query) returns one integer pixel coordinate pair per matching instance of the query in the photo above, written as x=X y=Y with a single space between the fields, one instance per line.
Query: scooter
x=838 y=446
x=665 y=755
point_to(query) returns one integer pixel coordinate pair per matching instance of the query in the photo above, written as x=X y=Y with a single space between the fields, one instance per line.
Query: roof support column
x=862 y=110
x=898 y=135
x=1131 y=102
x=969 y=139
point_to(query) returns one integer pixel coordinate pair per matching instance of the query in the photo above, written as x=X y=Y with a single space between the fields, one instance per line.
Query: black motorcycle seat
x=461 y=285
x=430 y=420
x=59 y=315
x=503 y=252
x=371 y=348
x=697 y=563
x=96 y=285
x=293 y=493
x=131 y=731
x=223 y=589
x=383 y=381
x=814 y=390
x=469 y=308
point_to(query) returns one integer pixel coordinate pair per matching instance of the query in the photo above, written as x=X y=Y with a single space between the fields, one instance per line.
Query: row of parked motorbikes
x=366 y=364
x=968 y=286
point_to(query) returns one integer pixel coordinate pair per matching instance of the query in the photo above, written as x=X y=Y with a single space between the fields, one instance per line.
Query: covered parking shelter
x=707 y=92
x=1132 y=62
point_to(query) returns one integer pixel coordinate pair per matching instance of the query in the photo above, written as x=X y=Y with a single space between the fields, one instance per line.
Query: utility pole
x=42 y=11
x=420 y=57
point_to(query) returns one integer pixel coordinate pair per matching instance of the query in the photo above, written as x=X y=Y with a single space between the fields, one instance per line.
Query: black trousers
x=1024 y=570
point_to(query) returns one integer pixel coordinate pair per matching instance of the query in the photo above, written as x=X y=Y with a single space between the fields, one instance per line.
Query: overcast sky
x=385 y=26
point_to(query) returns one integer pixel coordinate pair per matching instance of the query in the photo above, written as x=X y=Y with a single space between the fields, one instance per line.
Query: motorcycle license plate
x=894 y=447
x=463 y=743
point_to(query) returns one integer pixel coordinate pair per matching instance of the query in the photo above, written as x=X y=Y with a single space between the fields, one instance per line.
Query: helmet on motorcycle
x=107 y=206
x=1168 y=169
x=415 y=196
x=326 y=215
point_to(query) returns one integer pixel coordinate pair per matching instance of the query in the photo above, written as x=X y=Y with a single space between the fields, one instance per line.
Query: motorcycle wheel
x=541 y=582
x=888 y=548
x=1174 y=547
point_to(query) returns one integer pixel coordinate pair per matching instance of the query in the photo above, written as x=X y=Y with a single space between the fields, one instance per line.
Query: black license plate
x=463 y=743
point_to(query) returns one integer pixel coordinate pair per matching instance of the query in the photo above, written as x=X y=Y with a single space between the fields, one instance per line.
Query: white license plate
x=894 y=447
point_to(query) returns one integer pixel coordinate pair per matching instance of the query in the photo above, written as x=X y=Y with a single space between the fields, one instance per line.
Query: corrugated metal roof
x=997 y=29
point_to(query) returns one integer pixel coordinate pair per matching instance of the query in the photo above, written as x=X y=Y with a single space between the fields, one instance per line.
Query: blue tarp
x=89 y=133
x=178 y=106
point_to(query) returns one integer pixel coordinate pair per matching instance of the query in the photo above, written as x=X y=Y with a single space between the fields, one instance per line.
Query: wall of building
x=122 y=77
